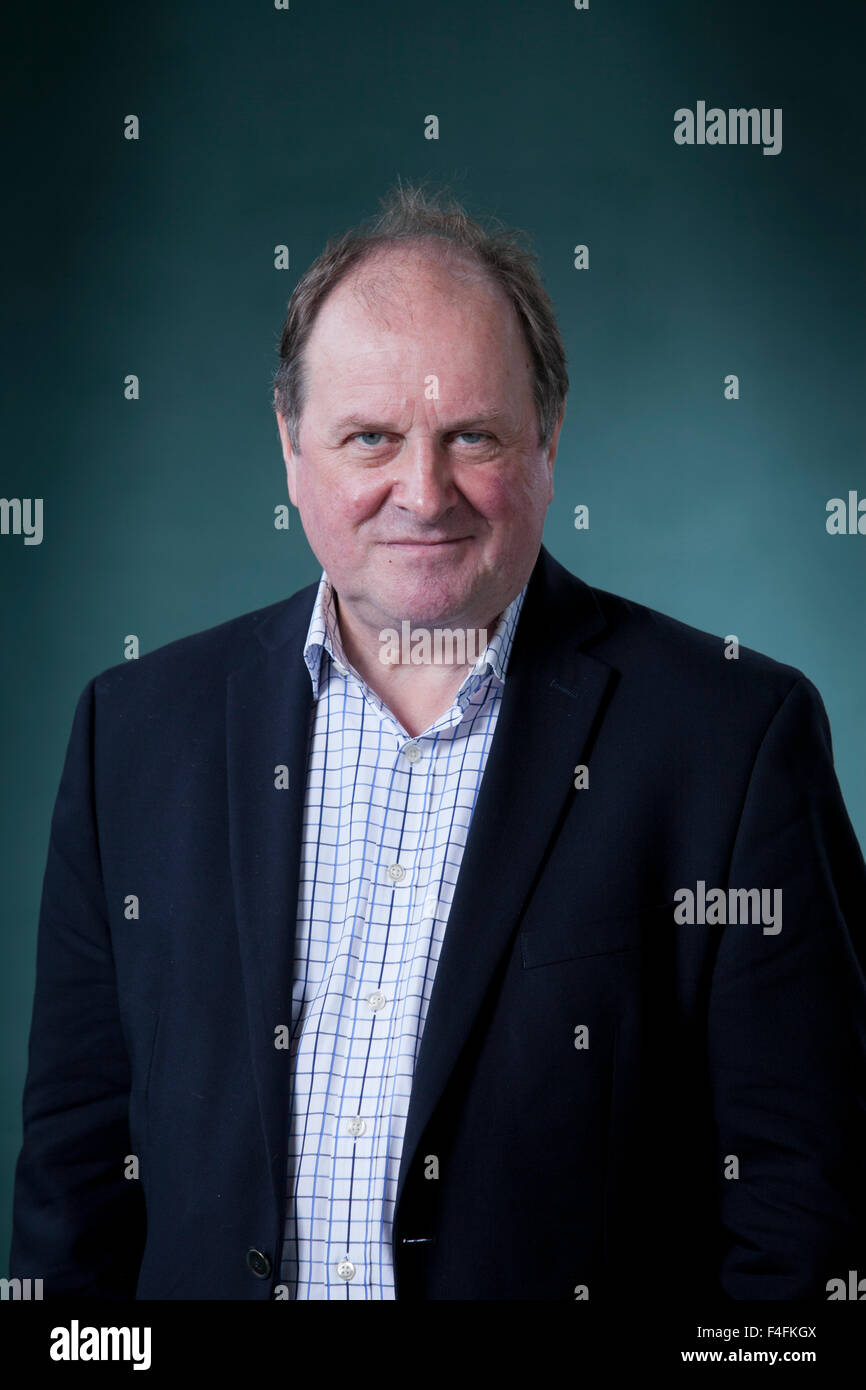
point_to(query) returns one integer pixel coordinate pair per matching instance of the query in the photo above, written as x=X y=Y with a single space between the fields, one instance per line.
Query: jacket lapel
x=551 y=700
x=268 y=705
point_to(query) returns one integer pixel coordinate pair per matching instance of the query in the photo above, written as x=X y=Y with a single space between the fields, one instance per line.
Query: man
x=532 y=973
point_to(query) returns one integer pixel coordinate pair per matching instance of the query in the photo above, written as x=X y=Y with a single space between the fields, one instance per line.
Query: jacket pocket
x=606 y=936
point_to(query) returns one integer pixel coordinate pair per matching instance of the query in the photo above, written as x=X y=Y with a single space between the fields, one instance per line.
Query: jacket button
x=259 y=1264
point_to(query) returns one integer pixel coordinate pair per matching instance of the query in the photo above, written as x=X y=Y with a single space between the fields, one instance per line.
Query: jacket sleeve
x=78 y=1222
x=787 y=1026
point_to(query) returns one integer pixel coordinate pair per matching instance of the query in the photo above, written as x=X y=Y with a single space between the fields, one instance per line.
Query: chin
x=422 y=608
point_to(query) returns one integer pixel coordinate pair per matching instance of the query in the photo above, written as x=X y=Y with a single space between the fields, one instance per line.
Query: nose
x=424 y=484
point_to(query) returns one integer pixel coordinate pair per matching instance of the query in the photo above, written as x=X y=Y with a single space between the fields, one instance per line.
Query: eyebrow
x=488 y=417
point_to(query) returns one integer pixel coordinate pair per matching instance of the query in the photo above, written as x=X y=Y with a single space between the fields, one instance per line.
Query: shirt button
x=356 y=1125
x=376 y=1000
x=346 y=1269
x=411 y=752
x=396 y=872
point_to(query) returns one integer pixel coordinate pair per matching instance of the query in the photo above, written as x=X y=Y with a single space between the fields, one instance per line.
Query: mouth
x=427 y=545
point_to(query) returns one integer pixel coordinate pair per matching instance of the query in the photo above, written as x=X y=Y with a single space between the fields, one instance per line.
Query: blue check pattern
x=386 y=817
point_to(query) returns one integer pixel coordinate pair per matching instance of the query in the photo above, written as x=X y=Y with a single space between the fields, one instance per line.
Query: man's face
x=420 y=482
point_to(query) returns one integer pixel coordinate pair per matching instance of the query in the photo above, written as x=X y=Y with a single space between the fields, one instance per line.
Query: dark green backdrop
x=261 y=127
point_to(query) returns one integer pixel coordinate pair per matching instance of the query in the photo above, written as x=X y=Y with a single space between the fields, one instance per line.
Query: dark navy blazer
x=708 y=1138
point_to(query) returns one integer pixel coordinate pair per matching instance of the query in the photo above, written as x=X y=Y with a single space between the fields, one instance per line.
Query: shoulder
x=670 y=664
x=704 y=677
x=205 y=659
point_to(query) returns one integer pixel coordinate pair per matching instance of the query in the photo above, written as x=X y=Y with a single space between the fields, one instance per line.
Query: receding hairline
x=389 y=263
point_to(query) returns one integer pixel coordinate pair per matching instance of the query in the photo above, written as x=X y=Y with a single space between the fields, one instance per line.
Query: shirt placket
x=376 y=1029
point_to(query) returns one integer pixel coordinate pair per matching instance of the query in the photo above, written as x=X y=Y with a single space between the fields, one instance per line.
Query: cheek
x=489 y=490
x=338 y=505
x=505 y=495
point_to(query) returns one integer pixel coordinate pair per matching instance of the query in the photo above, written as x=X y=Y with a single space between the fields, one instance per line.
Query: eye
x=369 y=434
x=464 y=434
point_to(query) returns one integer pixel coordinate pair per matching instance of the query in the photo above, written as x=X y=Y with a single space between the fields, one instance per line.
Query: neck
x=425 y=668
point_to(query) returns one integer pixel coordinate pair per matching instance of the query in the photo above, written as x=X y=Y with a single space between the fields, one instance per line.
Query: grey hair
x=408 y=212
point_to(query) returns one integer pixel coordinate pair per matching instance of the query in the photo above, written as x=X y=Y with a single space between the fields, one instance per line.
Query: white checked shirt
x=386 y=818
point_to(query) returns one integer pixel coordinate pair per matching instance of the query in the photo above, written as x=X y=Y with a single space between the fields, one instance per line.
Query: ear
x=289 y=456
x=551 y=450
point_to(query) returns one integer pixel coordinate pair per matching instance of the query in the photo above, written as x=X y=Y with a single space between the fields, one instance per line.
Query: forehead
x=417 y=309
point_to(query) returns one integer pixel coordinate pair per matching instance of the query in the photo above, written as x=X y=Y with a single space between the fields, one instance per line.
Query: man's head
x=419 y=400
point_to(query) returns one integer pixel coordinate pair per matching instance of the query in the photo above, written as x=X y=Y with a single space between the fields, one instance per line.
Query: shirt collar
x=323 y=636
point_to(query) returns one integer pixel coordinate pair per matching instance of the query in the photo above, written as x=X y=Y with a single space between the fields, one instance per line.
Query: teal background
x=261 y=127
